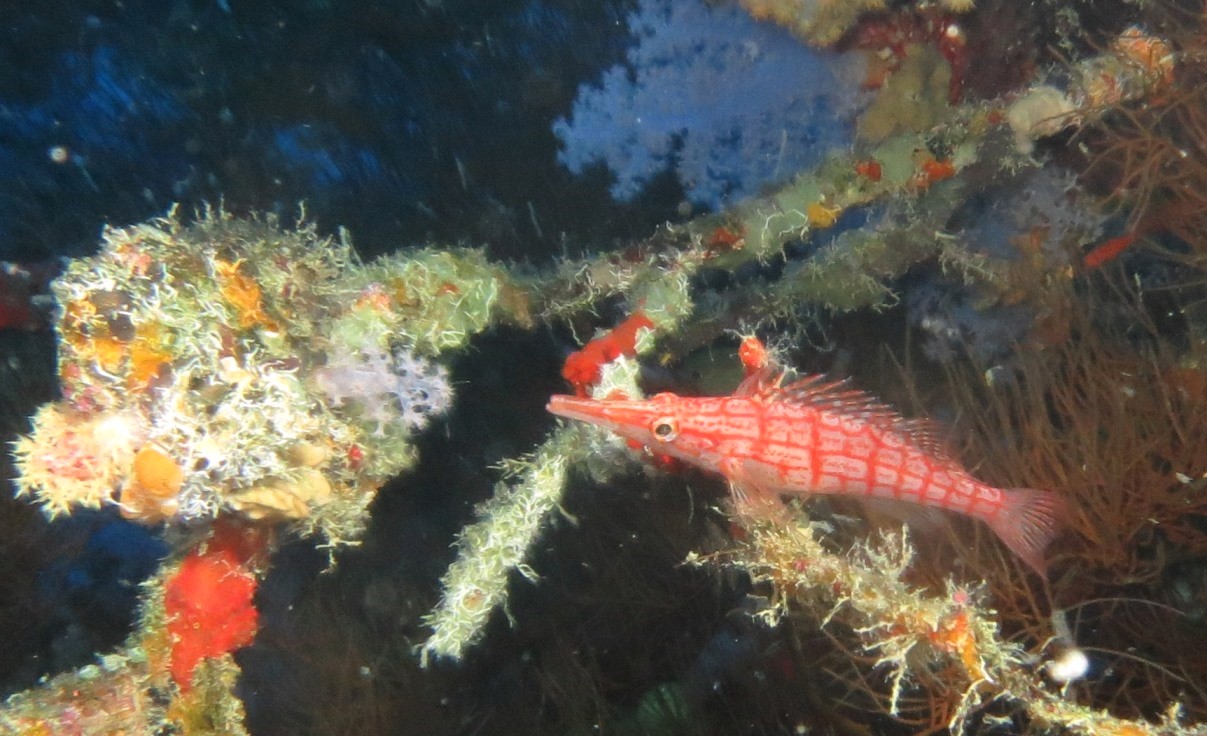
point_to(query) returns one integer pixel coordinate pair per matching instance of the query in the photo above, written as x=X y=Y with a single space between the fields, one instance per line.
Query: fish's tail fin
x=1028 y=522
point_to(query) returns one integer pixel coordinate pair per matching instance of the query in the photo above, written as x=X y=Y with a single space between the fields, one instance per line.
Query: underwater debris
x=230 y=366
x=1138 y=66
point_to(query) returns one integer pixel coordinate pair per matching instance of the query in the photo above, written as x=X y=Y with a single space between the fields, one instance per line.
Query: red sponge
x=209 y=604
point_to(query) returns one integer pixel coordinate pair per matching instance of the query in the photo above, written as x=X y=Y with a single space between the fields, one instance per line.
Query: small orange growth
x=147 y=357
x=150 y=492
x=374 y=298
x=725 y=239
x=821 y=215
x=140 y=358
x=209 y=601
x=1108 y=250
x=108 y=352
x=869 y=169
x=1149 y=52
x=753 y=354
x=80 y=334
x=157 y=473
x=933 y=170
x=145 y=364
x=955 y=636
x=242 y=293
x=581 y=368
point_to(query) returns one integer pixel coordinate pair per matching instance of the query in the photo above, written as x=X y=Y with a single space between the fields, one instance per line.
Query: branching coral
x=1118 y=427
x=1148 y=159
x=936 y=657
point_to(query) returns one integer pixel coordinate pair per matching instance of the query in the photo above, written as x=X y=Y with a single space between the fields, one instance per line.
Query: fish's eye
x=665 y=429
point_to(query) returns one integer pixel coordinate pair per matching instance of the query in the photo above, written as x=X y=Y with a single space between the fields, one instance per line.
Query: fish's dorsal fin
x=926 y=434
x=821 y=392
x=759 y=382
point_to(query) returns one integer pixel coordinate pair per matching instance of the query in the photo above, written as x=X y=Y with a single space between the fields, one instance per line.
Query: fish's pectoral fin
x=750 y=490
x=1028 y=522
x=741 y=494
x=754 y=503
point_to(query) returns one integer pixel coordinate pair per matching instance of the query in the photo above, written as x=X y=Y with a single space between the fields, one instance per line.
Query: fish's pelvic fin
x=1028 y=522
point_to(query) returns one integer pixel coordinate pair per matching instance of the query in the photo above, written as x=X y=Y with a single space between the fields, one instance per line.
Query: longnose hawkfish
x=816 y=435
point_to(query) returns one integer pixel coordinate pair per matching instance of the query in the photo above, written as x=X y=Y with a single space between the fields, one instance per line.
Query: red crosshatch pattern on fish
x=820 y=436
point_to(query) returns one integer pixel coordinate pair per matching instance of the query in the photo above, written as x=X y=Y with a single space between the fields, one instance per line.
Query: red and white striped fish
x=820 y=436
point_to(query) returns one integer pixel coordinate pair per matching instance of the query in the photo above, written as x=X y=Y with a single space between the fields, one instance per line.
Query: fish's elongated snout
x=630 y=418
x=575 y=407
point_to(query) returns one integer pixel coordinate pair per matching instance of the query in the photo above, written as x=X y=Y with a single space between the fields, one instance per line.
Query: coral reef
x=1146 y=160
x=234 y=379
x=950 y=663
x=1138 y=65
x=230 y=366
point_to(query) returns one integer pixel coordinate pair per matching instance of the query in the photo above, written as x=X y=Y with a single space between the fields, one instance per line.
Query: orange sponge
x=150 y=492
